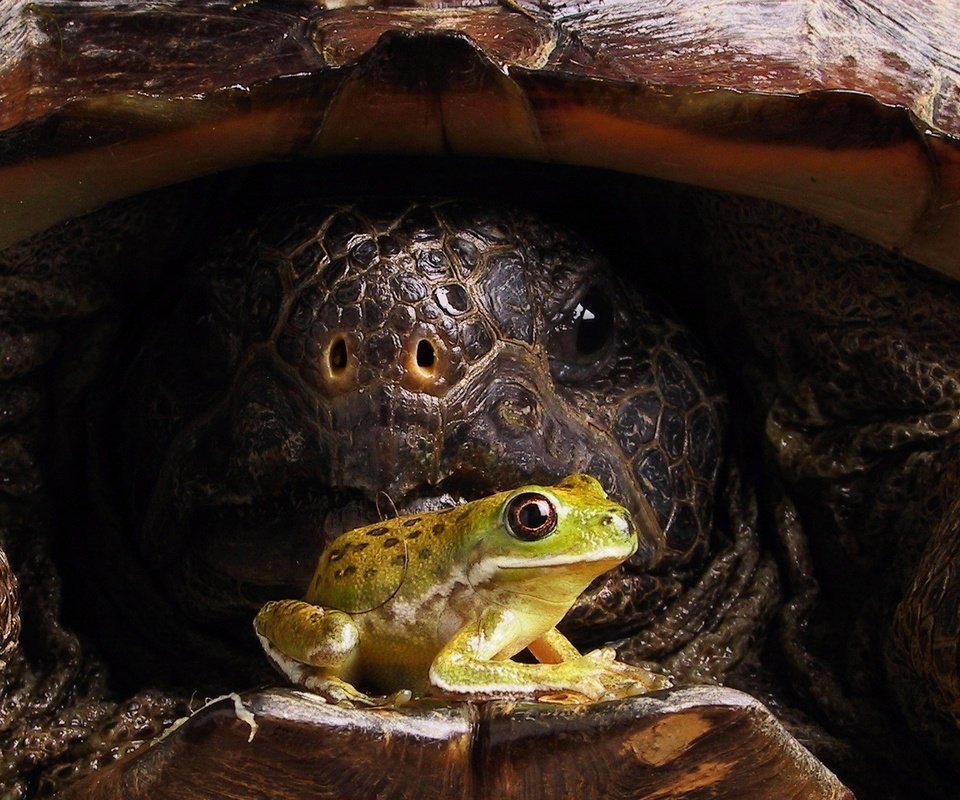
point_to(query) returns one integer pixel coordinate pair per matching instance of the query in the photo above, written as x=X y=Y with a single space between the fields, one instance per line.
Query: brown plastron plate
x=704 y=742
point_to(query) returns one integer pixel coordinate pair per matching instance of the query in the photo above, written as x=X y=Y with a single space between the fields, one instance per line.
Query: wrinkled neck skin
x=345 y=363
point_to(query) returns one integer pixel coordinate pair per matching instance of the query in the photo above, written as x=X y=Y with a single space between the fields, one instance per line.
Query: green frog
x=439 y=603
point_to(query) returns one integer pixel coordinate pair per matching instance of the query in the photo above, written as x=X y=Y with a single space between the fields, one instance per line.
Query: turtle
x=776 y=195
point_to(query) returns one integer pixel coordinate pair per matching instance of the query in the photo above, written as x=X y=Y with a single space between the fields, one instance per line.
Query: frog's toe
x=338 y=691
x=628 y=680
x=603 y=654
x=335 y=690
x=401 y=698
x=564 y=697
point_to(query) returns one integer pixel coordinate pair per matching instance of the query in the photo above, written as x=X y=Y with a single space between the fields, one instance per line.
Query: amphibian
x=440 y=602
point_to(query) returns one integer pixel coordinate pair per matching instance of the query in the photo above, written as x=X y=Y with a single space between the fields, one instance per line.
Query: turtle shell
x=841 y=110
x=704 y=742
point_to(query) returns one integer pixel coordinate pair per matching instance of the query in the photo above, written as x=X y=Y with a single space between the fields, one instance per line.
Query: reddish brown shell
x=841 y=109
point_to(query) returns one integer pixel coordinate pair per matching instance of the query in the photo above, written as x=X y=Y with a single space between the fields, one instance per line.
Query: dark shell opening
x=112 y=594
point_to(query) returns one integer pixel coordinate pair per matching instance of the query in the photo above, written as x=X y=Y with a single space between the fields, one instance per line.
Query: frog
x=439 y=603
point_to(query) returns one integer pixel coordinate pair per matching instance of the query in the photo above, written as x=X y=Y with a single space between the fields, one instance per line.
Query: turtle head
x=360 y=361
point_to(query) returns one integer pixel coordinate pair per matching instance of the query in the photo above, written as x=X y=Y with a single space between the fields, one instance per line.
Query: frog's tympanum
x=440 y=602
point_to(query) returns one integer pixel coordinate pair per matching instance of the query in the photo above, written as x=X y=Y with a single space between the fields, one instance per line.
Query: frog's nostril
x=620 y=523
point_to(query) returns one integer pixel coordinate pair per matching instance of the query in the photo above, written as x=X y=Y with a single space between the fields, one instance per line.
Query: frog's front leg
x=472 y=665
x=619 y=678
x=314 y=647
x=553 y=648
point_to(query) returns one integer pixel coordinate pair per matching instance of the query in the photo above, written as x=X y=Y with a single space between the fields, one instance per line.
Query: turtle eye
x=531 y=516
x=592 y=323
x=581 y=334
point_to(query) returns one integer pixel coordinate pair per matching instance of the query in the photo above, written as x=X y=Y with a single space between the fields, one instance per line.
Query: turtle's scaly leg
x=860 y=391
x=923 y=652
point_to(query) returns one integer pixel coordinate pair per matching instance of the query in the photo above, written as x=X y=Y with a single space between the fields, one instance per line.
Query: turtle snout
x=419 y=360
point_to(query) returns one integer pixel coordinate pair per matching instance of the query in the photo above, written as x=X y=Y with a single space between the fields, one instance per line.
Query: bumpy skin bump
x=343 y=359
x=9 y=609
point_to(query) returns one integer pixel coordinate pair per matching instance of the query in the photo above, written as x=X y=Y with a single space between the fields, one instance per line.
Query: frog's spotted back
x=364 y=568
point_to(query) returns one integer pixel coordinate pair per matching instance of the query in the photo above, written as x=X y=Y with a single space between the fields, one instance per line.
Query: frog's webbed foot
x=620 y=679
x=340 y=692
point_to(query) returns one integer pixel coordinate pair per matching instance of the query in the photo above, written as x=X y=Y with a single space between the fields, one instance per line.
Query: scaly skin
x=857 y=400
x=359 y=356
x=861 y=397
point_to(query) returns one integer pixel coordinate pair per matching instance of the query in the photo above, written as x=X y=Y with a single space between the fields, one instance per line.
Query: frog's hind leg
x=306 y=642
x=316 y=648
x=308 y=634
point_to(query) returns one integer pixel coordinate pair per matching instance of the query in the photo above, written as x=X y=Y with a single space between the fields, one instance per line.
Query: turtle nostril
x=426 y=364
x=338 y=363
x=426 y=356
x=337 y=355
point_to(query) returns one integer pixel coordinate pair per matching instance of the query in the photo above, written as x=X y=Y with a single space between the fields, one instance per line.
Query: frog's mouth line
x=614 y=556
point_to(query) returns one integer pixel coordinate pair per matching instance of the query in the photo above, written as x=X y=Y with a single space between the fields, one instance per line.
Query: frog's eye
x=531 y=516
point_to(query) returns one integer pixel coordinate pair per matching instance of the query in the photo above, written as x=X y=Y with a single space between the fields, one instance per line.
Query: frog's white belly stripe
x=479 y=575
x=408 y=612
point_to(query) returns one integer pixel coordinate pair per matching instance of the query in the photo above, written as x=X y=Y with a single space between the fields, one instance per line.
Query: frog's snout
x=618 y=531
x=619 y=522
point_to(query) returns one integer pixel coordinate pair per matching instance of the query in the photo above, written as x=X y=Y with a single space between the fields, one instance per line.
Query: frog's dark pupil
x=531 y=516
x=594 y=323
